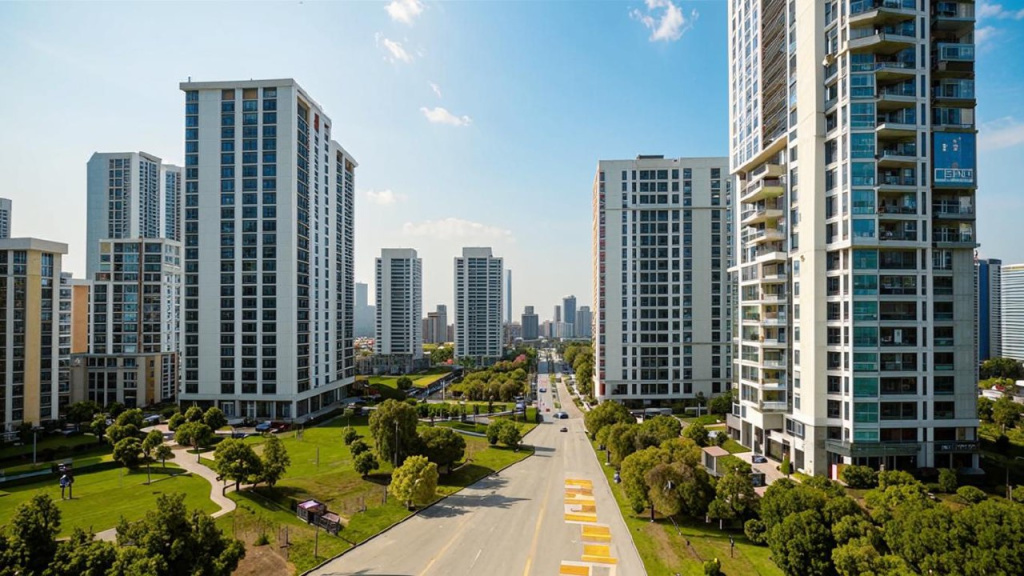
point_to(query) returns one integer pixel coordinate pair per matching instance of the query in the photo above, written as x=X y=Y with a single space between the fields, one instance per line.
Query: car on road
x=543 y=390
x=758 y=459
x=263 y=427
x=564 y=429
x=561 y=415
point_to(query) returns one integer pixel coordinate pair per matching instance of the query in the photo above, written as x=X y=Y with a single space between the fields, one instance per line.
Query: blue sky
x=475 y=123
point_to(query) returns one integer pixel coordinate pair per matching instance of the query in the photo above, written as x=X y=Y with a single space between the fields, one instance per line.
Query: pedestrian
x=63 y=485
x=732 y=547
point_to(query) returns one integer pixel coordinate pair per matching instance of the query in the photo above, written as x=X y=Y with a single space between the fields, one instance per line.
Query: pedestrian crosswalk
x=581 y=508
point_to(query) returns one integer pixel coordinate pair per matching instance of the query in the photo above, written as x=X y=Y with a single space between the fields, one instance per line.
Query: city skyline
x=418 y=84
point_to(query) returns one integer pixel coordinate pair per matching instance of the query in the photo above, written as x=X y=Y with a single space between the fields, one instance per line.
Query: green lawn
x=664 y=550
x=102 y=498
x=322 y=469
x=733 y=447
x=524 y=427
x=79 y=459
x=44 y=442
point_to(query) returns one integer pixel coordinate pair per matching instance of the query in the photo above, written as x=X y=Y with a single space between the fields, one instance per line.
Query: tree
x=971 y=494
x=661 y=428
x=947 y=480
x=510 y=435
x=115 y=409
x=393 y=427
x=721 y=405
x=194 y=434
x=415 y=481
x=99 y=426
x=80 y=412
x=132 y=417
x=441 y=355
x=859 y=477
x=153 y=439
x=358 y=447
x=663 y=482
x=443 y=446
x=606 y=414
x=494 y=431
x=185 y=542
x=274 y=461
x=119 y=432
x=177 y=419
x=802 y=545
x=349 y=436
x=365 y=463
x=786 y=498
x=1005 y=413
x=194 y=414
x=404 y=383
x=33 y=533
x=985 y=409
x=215 y=418
x=127 y=451
x=82 y=553
x=236 y=460
x=735 y=498
x=786 y=468
x=162 y=453
x=990 y=538
x=755 y=531
x=633 y=474
x=621 y=440
x=1001 y=368
x=859 y=557
x=696 y=432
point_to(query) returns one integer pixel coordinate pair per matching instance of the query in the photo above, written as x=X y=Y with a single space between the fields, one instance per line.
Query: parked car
x=758 y=459
x=543 y=390
x=564 y=429
x=561 y=415
x=263 y=427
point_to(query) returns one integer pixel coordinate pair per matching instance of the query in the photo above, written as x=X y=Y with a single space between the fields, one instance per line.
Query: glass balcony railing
x=951 y=52
x=862 y=6
x=954 y=236
x=957 y=89
x=952 y=209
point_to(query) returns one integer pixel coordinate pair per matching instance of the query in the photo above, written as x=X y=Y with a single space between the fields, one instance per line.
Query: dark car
x=263 y=427
x=758 y=459
x=564 y=429
x=561 y=415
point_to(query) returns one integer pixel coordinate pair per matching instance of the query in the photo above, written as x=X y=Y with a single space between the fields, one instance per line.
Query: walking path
x=186 y=461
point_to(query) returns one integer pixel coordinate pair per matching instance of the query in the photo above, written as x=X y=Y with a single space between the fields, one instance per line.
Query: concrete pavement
x=510 y=524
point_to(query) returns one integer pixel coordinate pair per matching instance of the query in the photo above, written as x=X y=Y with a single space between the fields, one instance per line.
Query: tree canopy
x=415 y=481
x=393 y=427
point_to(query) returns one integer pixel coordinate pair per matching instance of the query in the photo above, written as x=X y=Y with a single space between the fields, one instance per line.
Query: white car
x=543 y=390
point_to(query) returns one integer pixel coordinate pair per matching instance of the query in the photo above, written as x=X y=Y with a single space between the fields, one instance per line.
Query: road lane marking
x=445 y=548
x=536 y=533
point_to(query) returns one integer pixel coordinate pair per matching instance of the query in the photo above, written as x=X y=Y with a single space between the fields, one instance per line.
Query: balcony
x=772 y=297
x=775 y=363
x=899 y=232
x=954 y=93
x=883 y=38
x=761 y=190
x=774 y=320
x=773 y=277
x=897 y=96
x=953 y=238
x=953 y=57
x=952 y=16
x=773 y=384
x=953 y=210
x=770 y=254
x=765 y=235
x=768 y=406
x=898 y=155
x=767 y=171
x=890 y=206
x=892 y=69
x=760 y=214
x=881 y=11
x=854 y=449
x=900 y=124
x=896 y=181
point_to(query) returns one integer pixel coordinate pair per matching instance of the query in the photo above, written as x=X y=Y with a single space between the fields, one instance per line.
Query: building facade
x=852 y=135
x=989 y=285
x=268 y=238
x=435 y=326
x=583 y=327
x=31 y=322
x=399 y=302
x=130 y=195
x=662 y=300
x=478 y=306
x=569 y=312
x=530 y=322
x=5 y=218
x=366 y=314
x=1012 y=299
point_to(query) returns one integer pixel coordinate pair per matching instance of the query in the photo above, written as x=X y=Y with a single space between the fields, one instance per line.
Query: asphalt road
x=504 y=525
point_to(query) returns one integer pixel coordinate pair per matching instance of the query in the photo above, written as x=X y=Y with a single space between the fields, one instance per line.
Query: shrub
x=713 y=567
x=947 y=480
x=358 y=447
x=756 y=531
x=350 y=435
x=261 y=540
x=859 y=476
x=721 y=438
x=786 y=468
x=971 y=494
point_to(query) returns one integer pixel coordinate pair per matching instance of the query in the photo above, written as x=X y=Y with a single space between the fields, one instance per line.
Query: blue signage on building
x=953 y=159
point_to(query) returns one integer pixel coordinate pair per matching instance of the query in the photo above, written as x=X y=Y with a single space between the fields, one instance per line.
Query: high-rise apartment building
x=5 y=218
x=989 y=285
x=130 y=195
x=558 y=314
x=32 y=321
x=530 y=322
x=435 y=327
x=478 y=305
x=569 y=310
x=365 y=315
x=268 y=239
x=583 y=327
x=1012 y=299
x=661 y=260
x=508 y=296
x=399 y=275
x=852 y=133
x=134 y=325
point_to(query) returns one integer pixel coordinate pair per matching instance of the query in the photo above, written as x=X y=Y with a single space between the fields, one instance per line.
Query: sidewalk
x=187 y=462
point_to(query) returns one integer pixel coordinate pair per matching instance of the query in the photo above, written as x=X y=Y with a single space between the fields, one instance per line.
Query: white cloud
x=987 y=10
x=404 y=10
x=670 y=25
x=436 y=89
x=984 y=36
x=394 y=50
x=384 y=197
x=457 y=229
x=1003 y=133
x=441 y=115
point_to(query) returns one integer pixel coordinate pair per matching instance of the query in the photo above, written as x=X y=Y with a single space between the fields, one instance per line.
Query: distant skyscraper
x=530 y=324
x=569 y=309
x=990 y=308
x=436 y=326
x=30 y=313
x=268 y=236
x=365 y=314
x=583 y=325
x=1012 y=297
x=508 y=296
x=5 y=218
x=558 y=314
x=478 y=305
x=129 y=195
x=666 y=274
x=399 y=280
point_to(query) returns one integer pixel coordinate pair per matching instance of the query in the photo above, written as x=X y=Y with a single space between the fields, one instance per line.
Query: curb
x=414 y=514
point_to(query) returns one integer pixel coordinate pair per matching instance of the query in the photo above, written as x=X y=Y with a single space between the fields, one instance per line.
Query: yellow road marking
x=536 y=534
